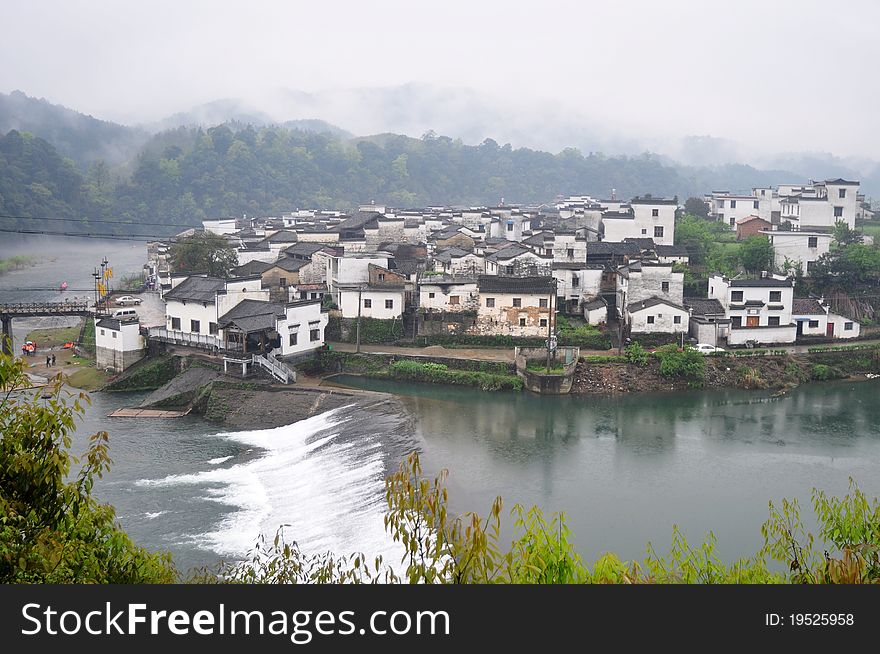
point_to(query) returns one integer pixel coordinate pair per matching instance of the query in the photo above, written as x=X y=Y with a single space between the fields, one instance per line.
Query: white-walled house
x=577 y=283
x=815 y=318
x=381 y=302
x=195 y=304
x=118 y=344
x=656 y=315
x=455 y=261
x=448 y=294
x=290 y=331
x=302 y=331
x=799 y=249
x=760 y=310
x=652 y=218
x=519 y=261
x=596 y=311
x=643 y=280
x=518 y=306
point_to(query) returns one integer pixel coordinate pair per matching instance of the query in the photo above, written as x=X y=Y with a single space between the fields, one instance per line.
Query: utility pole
x=549 y=330
x=358 y=348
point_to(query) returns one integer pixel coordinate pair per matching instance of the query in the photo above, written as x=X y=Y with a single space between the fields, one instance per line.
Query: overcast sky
x=771 y=74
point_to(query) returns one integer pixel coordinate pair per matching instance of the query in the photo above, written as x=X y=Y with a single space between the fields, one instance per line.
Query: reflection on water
x=626 y=469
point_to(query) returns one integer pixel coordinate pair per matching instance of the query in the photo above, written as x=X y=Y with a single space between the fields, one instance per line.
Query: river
x=624 y=469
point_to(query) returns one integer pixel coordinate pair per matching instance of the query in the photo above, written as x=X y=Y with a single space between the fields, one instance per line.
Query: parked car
x=705 y=348
x=125 y=300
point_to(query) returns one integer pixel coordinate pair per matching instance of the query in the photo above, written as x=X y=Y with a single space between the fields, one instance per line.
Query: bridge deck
x=36 y=309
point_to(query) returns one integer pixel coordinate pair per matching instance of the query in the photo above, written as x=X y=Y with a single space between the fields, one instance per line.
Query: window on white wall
x=655 y=212
x=838 y=212
x=389 y=304
x=847 y=326
x=676 y=320
x=650 y=320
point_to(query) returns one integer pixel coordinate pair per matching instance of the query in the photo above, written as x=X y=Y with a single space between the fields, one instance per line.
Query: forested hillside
x=187 y=174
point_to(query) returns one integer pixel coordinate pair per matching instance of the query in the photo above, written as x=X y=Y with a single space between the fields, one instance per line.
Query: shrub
x=821 y=372
x=637 y=355
x=438 y=373
x=687 y=364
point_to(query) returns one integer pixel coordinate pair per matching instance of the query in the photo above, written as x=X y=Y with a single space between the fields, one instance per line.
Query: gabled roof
x=598 y=303
x=303 y=249
x=748 y=219
x=671 y=251
x=508 y=253
x=611 y=248
x=807 y=306
x=289 y=264
x=841 y=182
x=251 y=268
x=704 y=306
x=764 y=281
x=196 y=289
x=446 y=280
x=252 y=316
x=652 y=302
x=643 y=243
x=531 y=285
x=451 y=253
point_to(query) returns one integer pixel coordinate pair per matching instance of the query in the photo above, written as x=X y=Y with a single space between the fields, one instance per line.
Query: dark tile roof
x=652 y=302
x=671 y=251
x=704 y=306
x=290 y=264
x=252 y=315
x=505 y=254
x=303 y=249
x=251 y=268
x=595 y=304
x=643 y=243
x=611 y=248
x=283 y=236
x=841 y=182
x=638 y=200
x=765 y=281
x=533 y=285
x=434 y=280
x=451 y=253
x=196 y=289
x=109 y=323
x=806 y=306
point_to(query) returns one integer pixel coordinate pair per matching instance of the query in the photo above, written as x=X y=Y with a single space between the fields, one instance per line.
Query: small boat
x=63 y=286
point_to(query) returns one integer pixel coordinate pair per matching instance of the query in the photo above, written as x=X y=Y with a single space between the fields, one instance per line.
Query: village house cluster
x=505 y=270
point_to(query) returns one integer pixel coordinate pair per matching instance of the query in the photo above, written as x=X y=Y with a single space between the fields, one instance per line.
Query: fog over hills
x=413 y=110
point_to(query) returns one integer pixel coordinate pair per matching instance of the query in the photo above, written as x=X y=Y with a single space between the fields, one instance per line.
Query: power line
x=119 y=237
x=104 y=222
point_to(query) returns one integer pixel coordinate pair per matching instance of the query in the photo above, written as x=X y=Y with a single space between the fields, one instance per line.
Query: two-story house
x=760 y=310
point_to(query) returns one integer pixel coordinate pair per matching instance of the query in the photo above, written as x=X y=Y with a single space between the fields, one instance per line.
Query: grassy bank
x=486 y=375
x=88 y=379
x=146 y=375
x=54 y=337
x=17 y=262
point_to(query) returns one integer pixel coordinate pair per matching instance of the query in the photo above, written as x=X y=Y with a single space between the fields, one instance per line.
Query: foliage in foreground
x=51 y=528
x=440 y=548
x=53 y=531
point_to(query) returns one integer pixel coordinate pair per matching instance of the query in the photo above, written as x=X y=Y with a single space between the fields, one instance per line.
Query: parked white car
x=705 y=348
x=125 y=300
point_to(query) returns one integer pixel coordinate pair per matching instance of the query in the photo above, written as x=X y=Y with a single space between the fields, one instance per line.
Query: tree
x=51 y=528
x=696 y=207
x=204 y=252
x=756 y=254
x=843 y=235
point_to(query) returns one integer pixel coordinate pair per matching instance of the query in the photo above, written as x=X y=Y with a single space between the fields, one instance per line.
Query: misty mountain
x=83 y=138
x=240 y=113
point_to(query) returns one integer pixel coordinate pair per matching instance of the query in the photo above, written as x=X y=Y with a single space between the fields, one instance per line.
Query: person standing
x=53 y=360
x=48 y=360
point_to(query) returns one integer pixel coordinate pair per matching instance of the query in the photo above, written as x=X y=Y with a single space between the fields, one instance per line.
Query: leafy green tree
x=52 y=530
x=696 y=207
x=756 y=254
x=843 y=235
x=204 y=252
